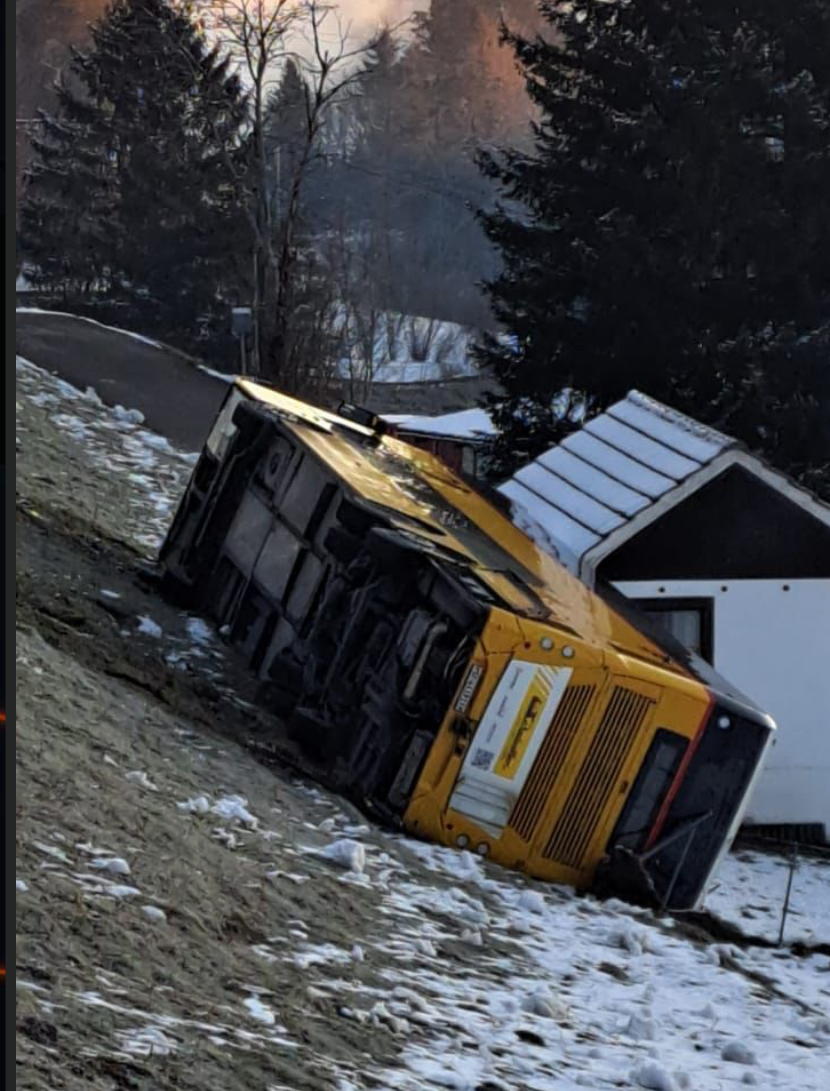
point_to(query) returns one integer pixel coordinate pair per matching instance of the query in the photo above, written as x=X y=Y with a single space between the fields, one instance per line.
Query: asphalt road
x=177 y=399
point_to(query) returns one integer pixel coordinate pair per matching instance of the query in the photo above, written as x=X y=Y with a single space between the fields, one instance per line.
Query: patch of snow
x=321 y=954
x=199 y=631
x=21 y=886
x=128 y=416
x=44 y=400
x=96 y=886
x=53 y=851
x=110 y=594
x=197 y=805
x=670 y=426
x=139 y=777
x=28 y=986
x=118 y=890
x=259 y=1011
x=625 y=937
x=532 y=901
x=235 y=809
x=169 y=1022
x=90 y=849
x=542 y=1003
x=115 y=443
x=749 y=888
x=346 y=853
x=738 y=1053
x=640 y=1029
x=77 y=428
x=116 y=865
x=149 y=627
x=227 y=837
x=403 y=348
x=468 y=424
x=292 y=877
x=155 y=441
x=153 y=913
x=146 y=1042
x=217 y=374
x=654 y=1077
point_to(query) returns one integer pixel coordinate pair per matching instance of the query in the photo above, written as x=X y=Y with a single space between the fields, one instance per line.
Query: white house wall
x=772 y=640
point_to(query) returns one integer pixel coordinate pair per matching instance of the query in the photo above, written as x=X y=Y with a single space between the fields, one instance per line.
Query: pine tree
x=133 y=198
x=68 y=218
x=670 y=230
x=286 y=128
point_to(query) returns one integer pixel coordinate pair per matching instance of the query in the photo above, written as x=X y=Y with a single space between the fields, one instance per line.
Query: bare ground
x=98 y=701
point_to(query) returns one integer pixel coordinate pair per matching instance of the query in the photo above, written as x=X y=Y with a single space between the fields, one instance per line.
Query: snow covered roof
x=621 y=472
x=468 y=424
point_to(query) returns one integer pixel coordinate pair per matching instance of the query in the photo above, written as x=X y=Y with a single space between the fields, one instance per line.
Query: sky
x=367 y=14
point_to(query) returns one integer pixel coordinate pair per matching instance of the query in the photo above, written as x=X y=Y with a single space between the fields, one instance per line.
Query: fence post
x=793 y=863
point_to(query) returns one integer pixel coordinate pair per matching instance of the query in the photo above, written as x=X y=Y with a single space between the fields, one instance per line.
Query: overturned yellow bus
x=424 y=657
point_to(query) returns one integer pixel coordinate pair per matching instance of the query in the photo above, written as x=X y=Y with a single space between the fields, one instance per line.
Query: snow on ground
x=113 y=440
x=416 y=371
x=750 y=889
x=562 y=991
x=404 y=348
x=210 y=922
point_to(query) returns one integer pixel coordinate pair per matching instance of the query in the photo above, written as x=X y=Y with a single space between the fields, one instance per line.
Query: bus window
x=688 y=620
x=653 y=781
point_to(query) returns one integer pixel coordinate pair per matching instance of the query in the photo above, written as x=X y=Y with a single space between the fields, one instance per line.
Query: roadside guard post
x=242 y=326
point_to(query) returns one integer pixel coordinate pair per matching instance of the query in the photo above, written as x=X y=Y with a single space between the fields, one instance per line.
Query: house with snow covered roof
x=730 y=555
x=462 y=440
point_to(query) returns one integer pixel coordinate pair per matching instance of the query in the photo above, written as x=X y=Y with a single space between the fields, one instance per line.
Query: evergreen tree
x=286 y=126
x=133 y=198
x=409 y=182
x=670 y=230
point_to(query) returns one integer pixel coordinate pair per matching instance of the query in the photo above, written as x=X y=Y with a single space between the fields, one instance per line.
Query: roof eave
x=735 y=456
x=590 y=560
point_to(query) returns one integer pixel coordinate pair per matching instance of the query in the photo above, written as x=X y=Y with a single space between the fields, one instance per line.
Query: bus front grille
x=572 y=832
x=531 y=804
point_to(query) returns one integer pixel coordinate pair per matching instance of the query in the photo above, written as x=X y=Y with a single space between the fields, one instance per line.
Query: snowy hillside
x=385 y=347
x=189 y=917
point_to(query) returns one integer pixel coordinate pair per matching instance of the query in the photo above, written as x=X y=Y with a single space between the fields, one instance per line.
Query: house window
x=688 y=620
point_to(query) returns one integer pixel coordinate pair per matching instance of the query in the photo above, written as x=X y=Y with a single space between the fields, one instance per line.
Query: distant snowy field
x=489 y=982
x=395 y=348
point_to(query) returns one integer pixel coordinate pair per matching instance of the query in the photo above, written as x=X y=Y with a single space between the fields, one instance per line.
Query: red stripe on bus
x=662 y=814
